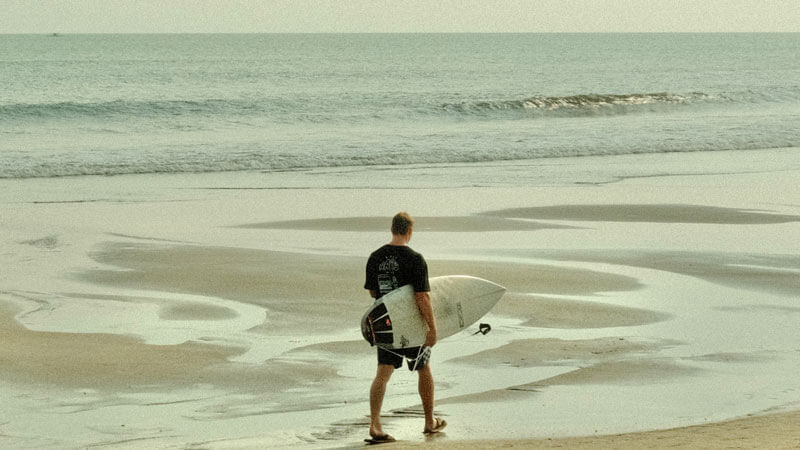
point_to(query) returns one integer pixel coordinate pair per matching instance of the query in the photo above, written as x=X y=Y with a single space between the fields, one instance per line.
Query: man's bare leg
x=425 y=387
x=376 y=394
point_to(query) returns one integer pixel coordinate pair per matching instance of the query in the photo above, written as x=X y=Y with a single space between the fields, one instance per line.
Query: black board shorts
x=395 y=357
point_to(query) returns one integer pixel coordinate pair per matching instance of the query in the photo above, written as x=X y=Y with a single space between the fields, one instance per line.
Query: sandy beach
x=648 y=305
x=775 y=431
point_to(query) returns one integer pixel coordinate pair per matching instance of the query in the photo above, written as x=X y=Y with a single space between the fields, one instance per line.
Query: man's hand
x=430 y=338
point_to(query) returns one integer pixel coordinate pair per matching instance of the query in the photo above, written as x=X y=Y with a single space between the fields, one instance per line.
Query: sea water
x=122 y=104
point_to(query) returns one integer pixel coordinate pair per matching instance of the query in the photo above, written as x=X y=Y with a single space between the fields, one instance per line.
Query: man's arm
x=374 y=294
x=426 y=310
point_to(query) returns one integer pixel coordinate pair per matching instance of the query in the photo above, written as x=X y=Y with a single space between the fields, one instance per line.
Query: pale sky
x=288 y=16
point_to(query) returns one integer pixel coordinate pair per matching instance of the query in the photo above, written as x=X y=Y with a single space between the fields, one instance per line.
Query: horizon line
x=59 y=33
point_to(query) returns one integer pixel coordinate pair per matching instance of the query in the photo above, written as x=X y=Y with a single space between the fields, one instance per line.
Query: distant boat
x=55 y=35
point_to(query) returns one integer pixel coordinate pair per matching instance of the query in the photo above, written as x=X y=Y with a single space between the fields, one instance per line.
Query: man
x=388 y=268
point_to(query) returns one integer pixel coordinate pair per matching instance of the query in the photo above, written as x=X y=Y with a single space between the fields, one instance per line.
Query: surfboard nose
x=479 y=284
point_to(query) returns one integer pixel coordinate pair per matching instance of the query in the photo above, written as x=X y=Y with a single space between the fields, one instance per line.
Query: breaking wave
x=324 y=109
x=586 y=104
x=125 y=108
x=213 y=135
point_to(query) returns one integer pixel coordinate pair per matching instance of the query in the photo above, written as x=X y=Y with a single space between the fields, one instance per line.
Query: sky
x=399 y=16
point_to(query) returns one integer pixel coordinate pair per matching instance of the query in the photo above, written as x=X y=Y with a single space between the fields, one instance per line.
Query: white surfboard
x=458 y=301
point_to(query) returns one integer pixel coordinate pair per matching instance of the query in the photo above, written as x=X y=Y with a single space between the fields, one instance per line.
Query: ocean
x=124 y=104
x=186 y=218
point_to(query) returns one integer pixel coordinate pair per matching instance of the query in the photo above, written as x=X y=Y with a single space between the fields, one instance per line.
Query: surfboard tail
x=376 y=326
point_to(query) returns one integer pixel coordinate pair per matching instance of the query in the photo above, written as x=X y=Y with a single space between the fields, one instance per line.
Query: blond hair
x=402 y=224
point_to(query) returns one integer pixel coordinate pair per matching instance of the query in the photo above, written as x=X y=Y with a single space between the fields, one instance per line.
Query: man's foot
x=438 y=425
x=380 y=439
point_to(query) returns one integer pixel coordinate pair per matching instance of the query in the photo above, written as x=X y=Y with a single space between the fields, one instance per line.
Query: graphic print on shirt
x=387 y=275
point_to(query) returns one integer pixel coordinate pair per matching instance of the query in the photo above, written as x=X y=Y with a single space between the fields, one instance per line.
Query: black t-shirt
x=393 y=266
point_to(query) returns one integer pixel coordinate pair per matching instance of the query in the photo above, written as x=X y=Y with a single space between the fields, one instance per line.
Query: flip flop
x=382 y=439
x=439 y=425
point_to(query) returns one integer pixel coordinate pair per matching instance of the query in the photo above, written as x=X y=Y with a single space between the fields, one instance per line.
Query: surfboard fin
x=483 y=329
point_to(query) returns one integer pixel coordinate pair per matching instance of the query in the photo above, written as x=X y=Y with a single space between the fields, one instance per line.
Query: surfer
x=392 y=266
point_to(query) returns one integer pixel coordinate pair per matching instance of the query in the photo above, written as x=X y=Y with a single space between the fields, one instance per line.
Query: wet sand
x=774 y=431
x=174 y=315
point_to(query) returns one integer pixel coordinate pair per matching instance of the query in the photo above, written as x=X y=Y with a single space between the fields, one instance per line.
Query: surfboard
x=458 y=301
